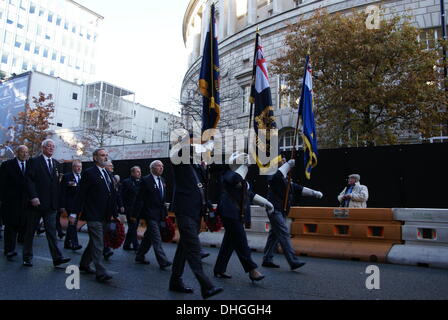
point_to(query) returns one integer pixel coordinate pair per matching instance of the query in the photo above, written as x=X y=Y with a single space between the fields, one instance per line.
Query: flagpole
x=212 y=95
x=253 y=83
x=296 y=133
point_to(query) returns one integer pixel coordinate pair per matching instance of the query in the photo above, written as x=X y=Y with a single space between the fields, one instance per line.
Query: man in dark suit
x=69 y=189
x=13 y=198
x=98 y=204
x=151 y=207
x=129 y=191
x=42 y=184
x=189 y=205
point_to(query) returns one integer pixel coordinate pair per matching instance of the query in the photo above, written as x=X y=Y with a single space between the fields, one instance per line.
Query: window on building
x=62 y=60
x=19 y=42
x=45 y=54
x=47 y=37
x=37 y=49
x=54 y=56
x=88 y=36
x=41 y=12
x=75 y=96
x=284 y=99
x=9 y=21
x=287 y=140
x=52 y=73
x=245 y=102
x=25 y=65
x=156 y=120
x=74 y=29
x=5 y=57
x=59 y=124
x=32 y=8
x=38 y=30
x=50 y=17
x=66 y=25
x=27 y=46
x=23 y=4
x=20 y=26
x=58 y=20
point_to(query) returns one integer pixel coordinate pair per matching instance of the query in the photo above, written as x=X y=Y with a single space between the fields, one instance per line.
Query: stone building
x=237 y=22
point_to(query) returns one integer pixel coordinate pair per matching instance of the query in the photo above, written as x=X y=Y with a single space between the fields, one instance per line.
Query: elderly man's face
x=101 y=158
x=157 y=169
x=48 y=149
x=77 y=167
x=23 y=154
x=136 y=173
x=352 y=181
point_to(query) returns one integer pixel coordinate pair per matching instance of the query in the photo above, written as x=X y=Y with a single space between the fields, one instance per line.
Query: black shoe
x=180 y=288
x=261 y=277
x=77 y=247
x=127 y=248
x=270 y=265
x=204 y=255
x=61 y=261
x=297 y=265
x=222 y=275
x=108 y=254
x=40 y=231
x=27 y=263
x=211 y=292
x=10 y=255
x=141 y=260
x=165 y=265
x=103 y=278
x=61 y=235
x=87 y=270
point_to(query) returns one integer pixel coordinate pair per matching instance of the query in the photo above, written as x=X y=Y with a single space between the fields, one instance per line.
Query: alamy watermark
x=373 y=281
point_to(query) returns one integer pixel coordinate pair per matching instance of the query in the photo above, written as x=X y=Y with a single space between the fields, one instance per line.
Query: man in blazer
x=98 y=204
x=42 y=186
x=13 y=198
x=129 y=191
x=69 y=189
x=189 y=204
x=151 y=208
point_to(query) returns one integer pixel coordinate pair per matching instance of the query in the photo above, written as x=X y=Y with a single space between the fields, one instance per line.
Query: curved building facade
x=237 y=22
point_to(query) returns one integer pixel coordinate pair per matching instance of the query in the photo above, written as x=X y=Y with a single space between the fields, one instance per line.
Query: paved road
x=320 y=279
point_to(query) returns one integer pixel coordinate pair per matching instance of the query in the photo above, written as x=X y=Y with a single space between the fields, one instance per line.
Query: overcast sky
x=141 y=49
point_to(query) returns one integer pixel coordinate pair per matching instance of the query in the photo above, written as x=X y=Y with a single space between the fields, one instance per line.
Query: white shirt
x=156 y=179
x=76 y=177
x=20 y=164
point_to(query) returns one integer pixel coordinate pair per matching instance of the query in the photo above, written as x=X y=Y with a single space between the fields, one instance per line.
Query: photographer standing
x=354 y=195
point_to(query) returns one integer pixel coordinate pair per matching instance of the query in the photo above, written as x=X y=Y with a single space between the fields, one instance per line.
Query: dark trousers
x=33 y=219
x=94 y=250
x=235 y=239
x=188 y=249
x=11 y=233
x=71 y=238
x=153 y=238
x=279 y=235
x=131 y=235
x=58 y=223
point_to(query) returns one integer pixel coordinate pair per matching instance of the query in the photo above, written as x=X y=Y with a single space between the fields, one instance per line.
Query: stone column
x=276 y=6
x=222 y=20
x=205 y=26
x=231 y=17
x=251 y=12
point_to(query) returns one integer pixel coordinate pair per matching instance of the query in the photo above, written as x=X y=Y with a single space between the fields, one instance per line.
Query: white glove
x=307 y=192
x=259 y=200
x=284 y=169
x=242 y=171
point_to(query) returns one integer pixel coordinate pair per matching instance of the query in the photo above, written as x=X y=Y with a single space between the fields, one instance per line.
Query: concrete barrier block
x=410 y=254
x=423 y=215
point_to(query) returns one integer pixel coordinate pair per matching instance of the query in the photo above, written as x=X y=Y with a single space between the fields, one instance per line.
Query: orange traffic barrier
x=345 y=233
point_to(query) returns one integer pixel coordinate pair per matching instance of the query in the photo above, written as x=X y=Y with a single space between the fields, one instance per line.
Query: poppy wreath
x=167 y=229
x=115 y=235
x=213 y=221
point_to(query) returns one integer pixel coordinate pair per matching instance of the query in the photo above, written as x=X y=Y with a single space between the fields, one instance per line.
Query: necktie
x=50 y=167
x=106 y=175
x=160 y=188
x=78 y=177
x=22 y=164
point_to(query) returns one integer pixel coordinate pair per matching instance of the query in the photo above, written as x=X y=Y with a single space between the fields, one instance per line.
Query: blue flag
x=209 y=77
x=309 y=126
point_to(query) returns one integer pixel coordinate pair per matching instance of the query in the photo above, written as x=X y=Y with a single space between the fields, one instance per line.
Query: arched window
x=287 y=139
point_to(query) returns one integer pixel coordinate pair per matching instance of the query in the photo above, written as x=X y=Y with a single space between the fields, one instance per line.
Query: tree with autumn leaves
x=32 y=124
x=370 y=85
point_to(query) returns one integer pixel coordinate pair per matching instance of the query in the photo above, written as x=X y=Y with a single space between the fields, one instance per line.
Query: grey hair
x=21 y=147
x=154 y=163
x=355 y=176
x=76 y=161
x=135 y=167
x=46 y=141
x=95 y=153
